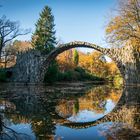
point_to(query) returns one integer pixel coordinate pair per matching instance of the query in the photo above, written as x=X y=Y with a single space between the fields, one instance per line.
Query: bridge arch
x=32 y=65
x=64 y=47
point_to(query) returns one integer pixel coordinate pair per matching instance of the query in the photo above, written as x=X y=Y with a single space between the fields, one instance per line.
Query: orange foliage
x=91 y=62
x=21 y=45
x=125 y=28
x=9 y=57
x=65 y=60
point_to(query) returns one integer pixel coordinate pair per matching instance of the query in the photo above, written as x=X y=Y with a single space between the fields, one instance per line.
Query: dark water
x=70 y=112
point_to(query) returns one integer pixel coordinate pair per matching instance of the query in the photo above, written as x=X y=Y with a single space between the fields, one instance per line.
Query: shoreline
x=75 y=83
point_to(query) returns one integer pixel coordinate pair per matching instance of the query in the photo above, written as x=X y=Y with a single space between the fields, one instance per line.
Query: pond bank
x=67 y=83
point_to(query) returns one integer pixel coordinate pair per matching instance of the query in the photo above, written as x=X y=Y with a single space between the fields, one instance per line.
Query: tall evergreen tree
x=44 y=36
x=76 y=57
x=44 y=39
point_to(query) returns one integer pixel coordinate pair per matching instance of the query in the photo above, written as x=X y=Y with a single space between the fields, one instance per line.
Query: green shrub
x=51 y=74
x=3 y=75
x=72 y=75
x=80 y=70
x=78 y=74
x=60 y=76
x=68 y=76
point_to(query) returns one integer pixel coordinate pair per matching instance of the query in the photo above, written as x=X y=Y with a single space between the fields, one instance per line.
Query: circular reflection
x=93 y=105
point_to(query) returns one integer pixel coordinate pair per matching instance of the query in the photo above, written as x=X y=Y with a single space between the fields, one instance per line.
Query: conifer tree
x=76 y=57
x=44 y=40
x=44 y=36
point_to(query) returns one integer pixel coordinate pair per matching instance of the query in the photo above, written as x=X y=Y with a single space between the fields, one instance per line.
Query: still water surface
x=70 y=112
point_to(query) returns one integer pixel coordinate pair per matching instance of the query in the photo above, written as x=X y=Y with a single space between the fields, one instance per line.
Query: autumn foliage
x=124 y=29
x=94 y=63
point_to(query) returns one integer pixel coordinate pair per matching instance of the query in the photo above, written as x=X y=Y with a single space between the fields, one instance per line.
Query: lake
x=69 y=111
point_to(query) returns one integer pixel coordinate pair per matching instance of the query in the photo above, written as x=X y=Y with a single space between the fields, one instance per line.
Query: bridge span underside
x=32 y=65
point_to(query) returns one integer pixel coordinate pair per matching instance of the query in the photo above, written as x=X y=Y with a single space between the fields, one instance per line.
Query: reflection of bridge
x=122 y=115
x=32 y=65
x=127 y=111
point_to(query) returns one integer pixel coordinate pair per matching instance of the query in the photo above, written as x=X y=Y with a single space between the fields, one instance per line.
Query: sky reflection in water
x=36 y=114
x=88 y=116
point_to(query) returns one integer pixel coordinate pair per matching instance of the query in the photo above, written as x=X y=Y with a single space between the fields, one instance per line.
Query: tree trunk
x=1 y=46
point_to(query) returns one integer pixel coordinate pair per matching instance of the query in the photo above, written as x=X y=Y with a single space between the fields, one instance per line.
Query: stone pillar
x=132 y=74
x=128 y=61
x=28 y=67
x=132 y=66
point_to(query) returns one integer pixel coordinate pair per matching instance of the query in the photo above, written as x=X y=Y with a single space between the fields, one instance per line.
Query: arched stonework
x=32 y=65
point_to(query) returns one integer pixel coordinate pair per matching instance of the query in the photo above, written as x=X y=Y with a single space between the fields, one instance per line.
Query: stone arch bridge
x=32 y=65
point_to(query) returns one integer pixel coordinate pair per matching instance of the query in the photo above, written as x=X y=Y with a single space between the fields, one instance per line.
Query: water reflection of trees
x=37 y=107
x=118 y=131
x=7 y=133
x=125 y=117
x=93 y=100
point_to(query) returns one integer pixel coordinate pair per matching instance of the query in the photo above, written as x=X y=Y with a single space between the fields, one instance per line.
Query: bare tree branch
x=9 y=30
x=15 y=35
